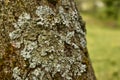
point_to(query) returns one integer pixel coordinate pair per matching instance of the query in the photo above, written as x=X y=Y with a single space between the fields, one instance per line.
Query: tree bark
x=43 y=40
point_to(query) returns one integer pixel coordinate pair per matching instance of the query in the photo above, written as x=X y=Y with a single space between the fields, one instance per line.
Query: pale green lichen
x=44 y=13
x=83 y=42
x=47 y=47
x=23 y=18
x=69 y=36
x=38 y=74
x=16 y=73
x=29 y=47
x=66 y=4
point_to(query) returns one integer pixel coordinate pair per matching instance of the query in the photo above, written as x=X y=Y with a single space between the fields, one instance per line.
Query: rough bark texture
x=42 y=40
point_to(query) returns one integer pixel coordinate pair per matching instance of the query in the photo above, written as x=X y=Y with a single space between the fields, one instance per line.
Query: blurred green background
x=103 y=36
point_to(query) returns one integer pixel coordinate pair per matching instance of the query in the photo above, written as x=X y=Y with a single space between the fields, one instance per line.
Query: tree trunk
x=42 y=40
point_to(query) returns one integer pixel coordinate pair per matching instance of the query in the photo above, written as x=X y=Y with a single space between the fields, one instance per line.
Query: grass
x=104 y=48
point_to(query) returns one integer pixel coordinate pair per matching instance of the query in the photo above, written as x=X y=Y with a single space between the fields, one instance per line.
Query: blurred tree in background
x=107 y=10
x=112 y=8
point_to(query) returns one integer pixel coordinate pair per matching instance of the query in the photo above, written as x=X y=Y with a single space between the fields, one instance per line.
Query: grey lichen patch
x=83 y=42
x=38 y=74
x=23 y=18
x=45 y=14
x=16 y=73
x=15 y=34
x=29 y=47
x=66 y=4
x=44 y=46
x=69 y=36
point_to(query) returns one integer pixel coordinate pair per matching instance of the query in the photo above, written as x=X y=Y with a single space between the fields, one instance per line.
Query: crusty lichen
x=16 y=73
x=43 y=44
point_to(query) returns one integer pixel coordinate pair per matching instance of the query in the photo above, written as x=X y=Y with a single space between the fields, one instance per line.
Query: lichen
x=44 y=13
x=66 y=4
x=38 y=74
x=44 y=44
x=83 y=42
x=16 y=73
x=29 y=47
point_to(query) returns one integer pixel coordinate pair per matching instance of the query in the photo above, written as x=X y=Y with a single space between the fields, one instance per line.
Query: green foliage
x=112 y=8
x=107 y=10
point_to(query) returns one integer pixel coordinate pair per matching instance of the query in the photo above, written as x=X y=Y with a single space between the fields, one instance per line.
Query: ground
x=104 y=48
